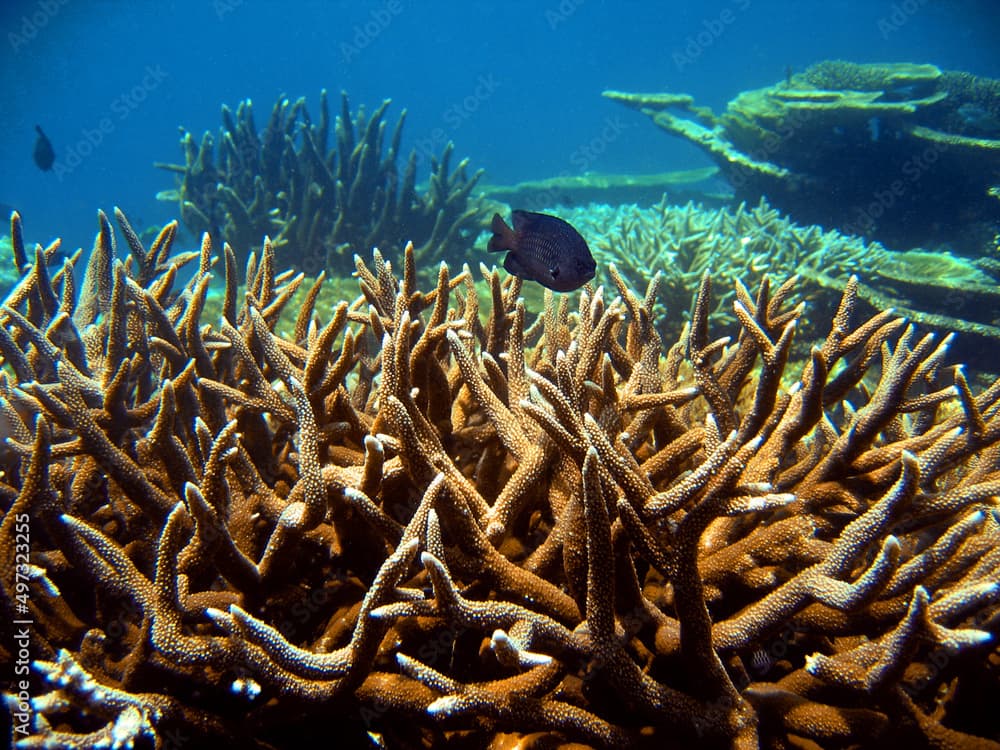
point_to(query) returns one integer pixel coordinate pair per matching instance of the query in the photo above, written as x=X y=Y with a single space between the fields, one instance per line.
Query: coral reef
x=415 y=523
x=319 y=203
x=612 y=189
x=902 y=153
x=8 y=274
x=941 y=291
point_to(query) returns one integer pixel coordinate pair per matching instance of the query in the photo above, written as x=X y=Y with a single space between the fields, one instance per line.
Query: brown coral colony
x=439 y=526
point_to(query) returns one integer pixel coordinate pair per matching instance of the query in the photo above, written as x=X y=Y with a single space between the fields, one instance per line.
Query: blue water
x=515 y=85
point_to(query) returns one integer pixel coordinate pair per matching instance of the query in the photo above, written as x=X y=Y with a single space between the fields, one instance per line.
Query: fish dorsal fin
x=524 y=220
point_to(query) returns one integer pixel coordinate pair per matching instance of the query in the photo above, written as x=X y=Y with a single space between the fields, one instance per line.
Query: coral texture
x=902 y=153
x=940 y=291
x=414 y=523
x=318 y=203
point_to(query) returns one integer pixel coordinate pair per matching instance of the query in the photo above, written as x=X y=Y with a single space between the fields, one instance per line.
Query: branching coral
x=941 y=291
x=430 y=526
x=320 y=204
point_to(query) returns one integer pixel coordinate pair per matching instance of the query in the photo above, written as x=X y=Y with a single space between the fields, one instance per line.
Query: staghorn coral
x=319 y=203
x=413 y=525
x=941 y=291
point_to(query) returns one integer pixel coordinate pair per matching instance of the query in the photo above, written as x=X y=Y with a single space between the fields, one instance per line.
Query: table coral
x=416 y=523
x=901 y=153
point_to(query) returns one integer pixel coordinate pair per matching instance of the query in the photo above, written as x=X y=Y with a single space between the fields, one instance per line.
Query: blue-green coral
x=899 y=152
x=940 y=290
x=322 y=190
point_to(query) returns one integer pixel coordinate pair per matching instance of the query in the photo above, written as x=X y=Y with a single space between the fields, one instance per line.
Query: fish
x=543 y=248
x=978 y=119
x=45 y=155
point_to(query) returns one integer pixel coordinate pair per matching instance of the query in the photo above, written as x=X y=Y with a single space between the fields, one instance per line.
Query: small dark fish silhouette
x=45 y=155
x=545 y=249
x=976 y=118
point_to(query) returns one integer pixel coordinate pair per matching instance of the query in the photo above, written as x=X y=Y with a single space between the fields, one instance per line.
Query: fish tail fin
x=503 y=235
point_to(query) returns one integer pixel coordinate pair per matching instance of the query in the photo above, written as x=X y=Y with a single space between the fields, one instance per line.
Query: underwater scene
x=544 y=375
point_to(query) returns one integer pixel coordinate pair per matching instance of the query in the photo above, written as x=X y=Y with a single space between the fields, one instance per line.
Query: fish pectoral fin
x=512 y=265
x=554 y=272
